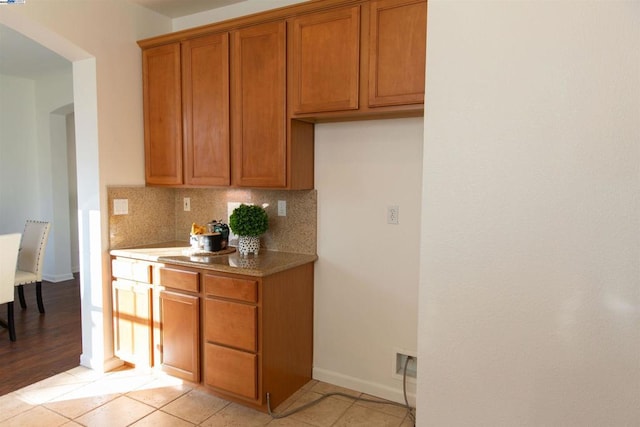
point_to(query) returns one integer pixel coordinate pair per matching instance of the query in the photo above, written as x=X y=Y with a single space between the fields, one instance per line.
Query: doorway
x=94 y=322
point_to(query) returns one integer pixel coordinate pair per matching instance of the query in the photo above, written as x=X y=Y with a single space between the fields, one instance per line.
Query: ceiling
x=22 y=57
x=178 y=8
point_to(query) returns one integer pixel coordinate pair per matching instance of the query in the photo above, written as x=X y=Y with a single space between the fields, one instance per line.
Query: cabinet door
x=398 y=31
x=162 y=114
x=231 y=370
x=258 y=105
x=325 y=57
x=132 y=326
x=180 y=316
x=205 y=100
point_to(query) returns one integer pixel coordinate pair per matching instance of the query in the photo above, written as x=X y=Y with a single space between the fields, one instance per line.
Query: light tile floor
x=127 y=397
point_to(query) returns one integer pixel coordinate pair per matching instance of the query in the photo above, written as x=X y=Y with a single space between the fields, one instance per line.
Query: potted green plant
x=248 y=222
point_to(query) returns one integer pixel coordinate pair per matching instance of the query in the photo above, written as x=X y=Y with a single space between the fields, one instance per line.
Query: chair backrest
x=34 y=242
x=9 y=244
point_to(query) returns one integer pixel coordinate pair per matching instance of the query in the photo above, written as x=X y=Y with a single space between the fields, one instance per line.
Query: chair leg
x=23 y=302
x=10 y=322
x=39 y=297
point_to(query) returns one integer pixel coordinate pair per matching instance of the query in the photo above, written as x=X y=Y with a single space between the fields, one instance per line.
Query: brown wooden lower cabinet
x=132 y=311
x=180 y=335
x=258 y=335
x=242 y=336
x=132 y=322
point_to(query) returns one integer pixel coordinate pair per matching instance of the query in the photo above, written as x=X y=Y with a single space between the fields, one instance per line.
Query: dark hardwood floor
x=46 y=344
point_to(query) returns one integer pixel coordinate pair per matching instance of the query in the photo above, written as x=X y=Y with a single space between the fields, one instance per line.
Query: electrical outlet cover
x=282 y=208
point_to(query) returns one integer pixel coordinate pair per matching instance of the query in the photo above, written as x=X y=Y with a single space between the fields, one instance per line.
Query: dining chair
x=31 y=259
x=9 y=244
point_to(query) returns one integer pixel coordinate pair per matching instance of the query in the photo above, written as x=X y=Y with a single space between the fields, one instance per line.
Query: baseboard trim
x=105 y=366
x=57 y=277
x=364 y=386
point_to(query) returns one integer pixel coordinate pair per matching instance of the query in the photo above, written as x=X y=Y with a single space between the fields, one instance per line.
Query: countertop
x=265 y=264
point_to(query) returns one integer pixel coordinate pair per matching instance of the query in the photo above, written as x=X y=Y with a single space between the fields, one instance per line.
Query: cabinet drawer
x=231 y=370
x=180 y=279
x=227 y=287
x=231 y=324
x=131 y=269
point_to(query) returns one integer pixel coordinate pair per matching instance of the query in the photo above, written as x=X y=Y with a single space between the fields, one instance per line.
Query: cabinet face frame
x=162 y=115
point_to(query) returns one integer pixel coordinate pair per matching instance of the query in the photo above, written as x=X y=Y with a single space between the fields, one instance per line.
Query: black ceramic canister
x=222 y=228
x=212 y=242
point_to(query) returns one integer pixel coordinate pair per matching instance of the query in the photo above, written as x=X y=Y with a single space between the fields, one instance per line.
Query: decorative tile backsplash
x=157 y=215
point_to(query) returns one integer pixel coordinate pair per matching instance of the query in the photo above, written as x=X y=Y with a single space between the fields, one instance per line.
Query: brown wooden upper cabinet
x=325 y=60
x=366 y=59
x=191 y=104
x=397 y=46
x=205 y=101
x=258 y=105
x=187 y=84
x=162 y=114
x=234 y=103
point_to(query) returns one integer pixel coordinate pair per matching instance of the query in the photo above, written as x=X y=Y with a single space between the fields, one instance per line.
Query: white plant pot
x=248 y=244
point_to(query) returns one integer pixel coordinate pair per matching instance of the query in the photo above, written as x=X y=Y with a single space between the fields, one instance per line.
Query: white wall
x=34 y=165
x=529 y=295
x=53 y=92
x=246 y=7
x=18 y=142
x=100 y=39
x=72 y=177
x=366 y=277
